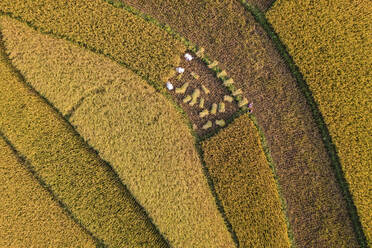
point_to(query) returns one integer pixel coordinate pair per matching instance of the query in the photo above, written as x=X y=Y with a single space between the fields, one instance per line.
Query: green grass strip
x=327 y=140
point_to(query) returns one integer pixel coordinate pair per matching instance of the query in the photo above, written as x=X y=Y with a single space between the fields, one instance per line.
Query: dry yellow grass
x=29 y=215
x=73 y=172
x=333 y=51
x=137 y=130
x=141 y=45
x=245 y=185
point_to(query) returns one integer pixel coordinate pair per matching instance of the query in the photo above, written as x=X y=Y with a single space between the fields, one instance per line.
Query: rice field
x=240 y=45
x=246 y=186
x=134 y=128
x=132 y=123
x=73 y=172
x=42 y=220
x=97 y=25
x=336 y=65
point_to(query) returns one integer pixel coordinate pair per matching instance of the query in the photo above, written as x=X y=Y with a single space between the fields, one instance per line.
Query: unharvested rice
x=74 y=173
x=333 y=51
x=29 y=214
x=134 y=128
x=245 y=185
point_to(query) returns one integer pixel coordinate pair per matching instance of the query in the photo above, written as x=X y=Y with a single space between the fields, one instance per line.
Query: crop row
x=134 y=128
x=86 y=185
x=246 y=185
x=42 y=220
x=332 y=52
x=129 y=39
x=316 y=209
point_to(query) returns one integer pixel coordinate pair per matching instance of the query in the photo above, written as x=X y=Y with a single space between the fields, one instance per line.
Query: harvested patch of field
x=85 y=184
x=134 y=128
x=29 y=214
x=199 y=77
x=129 y=39
x=316 y=208
x=245 y=184
x=333 y=52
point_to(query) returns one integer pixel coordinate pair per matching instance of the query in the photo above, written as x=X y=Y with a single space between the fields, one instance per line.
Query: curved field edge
x=97 y=25
x=44 y=220
x=327 y=140
x=328 y=222
x=138 y=113
x=246 y=184
x=98 y=200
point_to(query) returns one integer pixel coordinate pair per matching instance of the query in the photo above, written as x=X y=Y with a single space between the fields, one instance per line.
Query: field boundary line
x=27 y=164
x=122 y=185
x=317 y=115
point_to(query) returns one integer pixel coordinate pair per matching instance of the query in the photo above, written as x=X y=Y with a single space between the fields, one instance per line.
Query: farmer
x=250 y=107
x=169 y=85
x=180 y=70
x=188 y=57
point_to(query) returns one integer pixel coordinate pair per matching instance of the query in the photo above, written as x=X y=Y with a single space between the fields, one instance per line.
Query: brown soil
x=316 y=209
x=217 y=92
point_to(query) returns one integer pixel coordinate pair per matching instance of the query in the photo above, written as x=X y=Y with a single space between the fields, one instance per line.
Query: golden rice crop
x=317 y=211
x=134 y=128
x=29 y=215
x=245 y=185
x=129 y=39
x=333 y=51
x=75 y=174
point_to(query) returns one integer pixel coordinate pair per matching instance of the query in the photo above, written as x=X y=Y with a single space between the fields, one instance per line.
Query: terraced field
x=131 y=123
